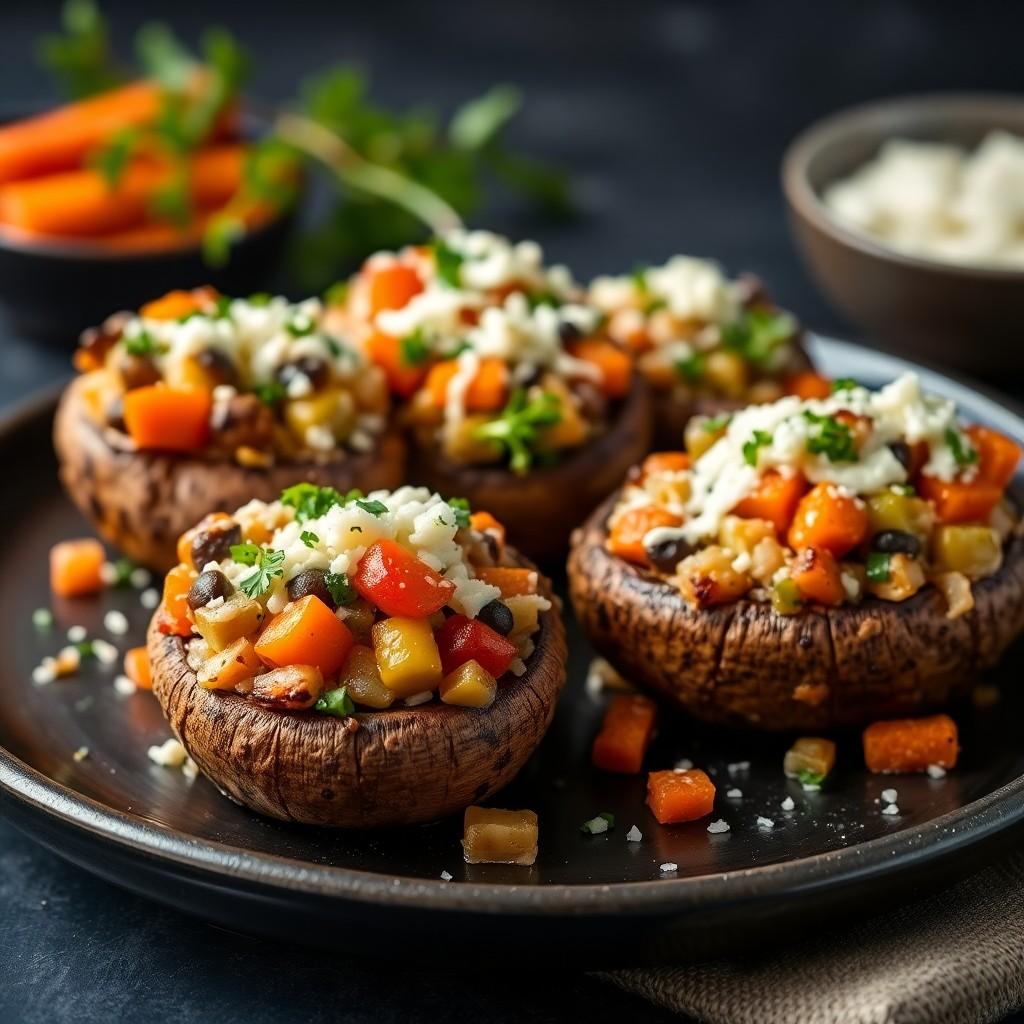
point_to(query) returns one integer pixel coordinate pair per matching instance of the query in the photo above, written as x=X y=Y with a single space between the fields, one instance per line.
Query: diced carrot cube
x=818 y=578
x=678 y=796
x=165 y=418
x=664 y=462
x=175 y=617
x=75 y=567
x=307 y=632
x=178 y=303
x=775 y=498
x=808 y=385
x=386 y=351
x=828 y=519
x=997 y=455
x=626 y=537
x=137 y=668
x=392 y=286
x=487 y=392
x=511 y=582
x=615 y=365
x=911 y=744
x=958 y=501
x=625 y=734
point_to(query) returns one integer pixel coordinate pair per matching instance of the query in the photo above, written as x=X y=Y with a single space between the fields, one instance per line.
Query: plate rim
x=899 y=851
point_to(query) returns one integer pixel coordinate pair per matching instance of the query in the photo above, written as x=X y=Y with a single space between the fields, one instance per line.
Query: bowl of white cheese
x=910 y=215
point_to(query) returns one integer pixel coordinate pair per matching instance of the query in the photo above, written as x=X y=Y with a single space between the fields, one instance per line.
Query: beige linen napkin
x=953 y=958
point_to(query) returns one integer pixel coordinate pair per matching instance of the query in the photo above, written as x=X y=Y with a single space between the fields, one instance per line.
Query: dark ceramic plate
x=599 y=898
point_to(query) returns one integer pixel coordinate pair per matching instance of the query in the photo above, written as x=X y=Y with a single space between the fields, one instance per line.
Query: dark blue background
x=673 y=118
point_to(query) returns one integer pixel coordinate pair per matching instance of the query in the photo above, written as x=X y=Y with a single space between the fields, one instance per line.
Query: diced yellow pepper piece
x=407 y=655
x=810 y=760
x=493 y=836
x=469 y=686
x=221 y=626
x=362 y=678
x=226 y=669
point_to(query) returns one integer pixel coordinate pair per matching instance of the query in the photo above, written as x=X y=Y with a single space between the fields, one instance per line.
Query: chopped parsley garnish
x=963 y=453
x=259 y=299
x=716 y=423
x=342 y=592
x=757 y=441
x=335 y=702
x=310 y=501
x=336 y=294
x=844 y=384
x=300 y=327
x=638 y=275
x=413 y=348
x=596 y=826
x=333 y=347
x=461 y=508
x=548 y=298
x=808 y=778
x=448 y=263
x=222 y=309
x=309 y=538
x=268 y=564
x=878 y=567
x=517 y=429
x=692 y=367
x=374 y=507
x=830 y=438
x=272 y=393
x=758 y=333
x=85 y=649
x=143 y=344
x=123 y=569
x=907 y=490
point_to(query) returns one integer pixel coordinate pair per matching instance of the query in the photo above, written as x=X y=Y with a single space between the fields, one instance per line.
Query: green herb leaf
x=448 y=263
x=413 y=348
x=300 y=327
x=808 y=778
x=269 y=566
x=757 y=441
x=963 y=453
x=310 y=501
x=460 y=506
x=309 y=538
x=341 y=590
x=246 y=554
x=336 y=294
x=271 y=392
x=374 y=507
x=81 y=58
x=599 y=824
x=908 y=490
x=477 y=123
x=692 y=367
x=260 y=299
x=335 y=702
x=844 y=384
x=142 y=344
x=758 y=334
x=85 y=648
x=878 y=567
x=112 y=158
x=123 y=569
x=517 y=430
x=713 y=424
x=830 y=438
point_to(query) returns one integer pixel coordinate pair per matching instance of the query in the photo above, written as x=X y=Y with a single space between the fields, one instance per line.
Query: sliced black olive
x=498 y=616
x=902 y=452
x=569 y=332
x=115 y=414
x=213 y=542
x=137 y=371
x=896 y=542
x=315 y=370
x=208 y=586
x=668 y=553
x=218 y=366
x=310 y=581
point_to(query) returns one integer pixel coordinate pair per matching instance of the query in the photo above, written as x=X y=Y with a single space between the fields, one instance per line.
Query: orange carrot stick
x=82 y=204
x=911 y=744
x=625 y=734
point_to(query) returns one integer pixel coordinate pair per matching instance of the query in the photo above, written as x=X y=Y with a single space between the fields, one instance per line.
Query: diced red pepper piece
x=398 y=583
x=461 y=639
x=625 y=734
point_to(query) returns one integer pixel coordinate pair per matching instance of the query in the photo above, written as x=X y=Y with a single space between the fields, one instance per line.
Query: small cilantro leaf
x=460 y=506
x=758 y=440
x=758 y=334
x=448 y=263
x=271 y=393
x=341 y=590
x=963 y=453
x=142 y=344
x=374 y=507
x=413 y=348
x=335 y=702
x=830 y=438
x=309 y=538
x=269 y=566
x=844 y=384
x=517 y=430
x=310 y=501
x=692 y=367
x=245 y=554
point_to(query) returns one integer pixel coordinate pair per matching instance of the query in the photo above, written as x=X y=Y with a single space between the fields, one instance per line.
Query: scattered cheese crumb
x=788 y=804
x=734 y=793
x=104 y=651
x=890 y=809
x=737 y=767
x=936 y=771
x=76 y=634
x=140 y=578
x=149 y=598
x=124 y=686
x=44 y=673
x=763 y=822
x=170 y=754
x=108 y=573
x=683 y=765
x=42 y=618
x=634 y=835
x=811 y=787
x=668 y=867
x=190 y=769
x=80 y=754
x=446 y=876
x=718 y=826
x=889 y=795
x=115 y=622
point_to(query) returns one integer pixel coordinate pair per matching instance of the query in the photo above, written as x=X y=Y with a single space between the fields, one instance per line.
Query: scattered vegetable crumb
x=788 y=804
x=446 y=876
x=634 y=835
x=115 y=622
x=717 y=827
x=936 y=771
x=668 y=867
x=170 y=754
x=140 y=578
x=42 y=618
x=124 y=686
x=738 y=767
x=810 y=787
x=734 y=793
x=602 y=676
x=76 y=634
x=889 y=795
x=80 y=754
x=765 y=823
x=149 y=598
x=190 y=769
x=45 y=672
x=596 y=826
x=105 y=652
x=682 y=765
x=890 y=809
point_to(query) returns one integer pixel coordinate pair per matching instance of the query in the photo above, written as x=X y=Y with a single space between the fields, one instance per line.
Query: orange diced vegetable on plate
x=625 y=734
x=75 y=567
x=911 y=744
x=615 y=365
x=678 y=796
x=484 y=522
x=997 y=454
x=626 y=538
x=307 y=632
x=829 y=519
x=511 y=582
x=775 y=497
x=137 y=668
x=164 y=418
x=177 y=303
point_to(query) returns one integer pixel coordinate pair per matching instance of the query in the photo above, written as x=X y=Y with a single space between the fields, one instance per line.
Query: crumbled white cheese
x=190 y=769
x=890 y=809
x=44 y=673
x=115 y=622
x=788 y=804
x=734 y=793
x=719 y=826
x=682 y=765
x=140 y=578
x=765 y=823
x=889 y=795
x=149 y=598
x=124 y=686
x=936 y=771
x=80 y=754
x=634 y=835
x=104 y=651
x=446 y=876
x=108 y=574
x=738 y=767
x=170 y=754
x=76 y=634
x=668 y=867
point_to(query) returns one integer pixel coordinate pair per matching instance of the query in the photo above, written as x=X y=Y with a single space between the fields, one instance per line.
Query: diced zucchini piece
x=810 y=760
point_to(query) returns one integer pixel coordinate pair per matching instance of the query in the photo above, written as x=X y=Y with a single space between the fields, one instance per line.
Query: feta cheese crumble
x=788 y=804
x=634 y=835
x=890 y=809
x=765 y=823
x=936 y=771
x=668 y=867
x=889 y=795
x=170 y=754
x=717 y=827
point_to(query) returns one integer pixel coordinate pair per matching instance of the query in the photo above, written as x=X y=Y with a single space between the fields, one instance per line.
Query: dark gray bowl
x=968 y=317
x=50 y=291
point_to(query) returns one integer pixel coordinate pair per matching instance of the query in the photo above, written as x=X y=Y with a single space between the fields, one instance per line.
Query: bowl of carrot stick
x=98 y=212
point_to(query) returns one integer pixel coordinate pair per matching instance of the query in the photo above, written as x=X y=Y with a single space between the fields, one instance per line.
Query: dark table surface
x=673 y=118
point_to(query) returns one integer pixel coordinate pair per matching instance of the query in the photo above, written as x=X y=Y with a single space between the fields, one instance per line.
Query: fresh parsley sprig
x=518 y=429
x=757 y=334
x=758 y=440
x=831 y=438
x=268 y=563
